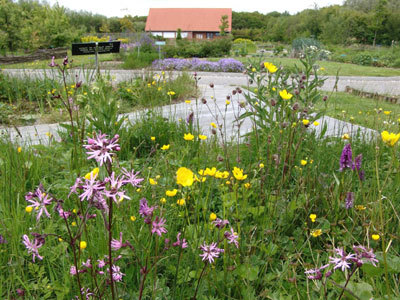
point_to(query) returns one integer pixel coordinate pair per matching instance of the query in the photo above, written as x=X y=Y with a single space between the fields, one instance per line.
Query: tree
x=224 y=25
x=179 y=34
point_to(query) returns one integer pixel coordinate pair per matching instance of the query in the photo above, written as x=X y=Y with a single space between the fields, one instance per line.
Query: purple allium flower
x=343 y=260
x=91 y=187
x=232 y=237
x=100 y=148
x=316 y=273
x=219 y=223
x=2 y=240
x=158 y=226
x=33 y=246
x=346 y=159
x=117 y=244
x=40 y=204
x=116 y=273
x=115 y=191
x=210 y=252
x=144 y=209
x=349 y=200
x=132 y=178
x=180 y=243
x=365 y=255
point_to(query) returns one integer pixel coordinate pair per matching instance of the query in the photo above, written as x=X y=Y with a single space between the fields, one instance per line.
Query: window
x=156 y=33
x=210 y=35
x=199 y=35
x=184 y=34
x=169 y=35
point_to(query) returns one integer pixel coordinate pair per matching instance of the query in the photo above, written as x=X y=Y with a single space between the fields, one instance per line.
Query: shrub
x=362 y=59
x=134 y=60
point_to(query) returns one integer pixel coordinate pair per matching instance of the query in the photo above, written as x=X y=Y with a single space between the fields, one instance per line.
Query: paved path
x=380 y=85
x=215 y=111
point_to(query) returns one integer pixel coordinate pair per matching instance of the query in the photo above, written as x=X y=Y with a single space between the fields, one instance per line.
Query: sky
x=119 y=8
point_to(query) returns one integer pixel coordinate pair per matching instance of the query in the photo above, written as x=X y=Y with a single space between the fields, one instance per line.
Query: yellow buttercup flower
x=222 y=175
x=375 y=237
x=261 y=166
x=305 y=122
x=73 y=223
x=201 y=179
x=213 y=216
x=171 y=193
x=28 y=209
x=181 y=202
x=285 y=95
x=19 y=149
x=153 y=138
x=227 y=102
x=270 y=67
x=390 y=138
x=171 y=93
x=253 y=69
x=82 y=245
x=163 y=200
x=316 y=123
x=303 y=162
x=188 y=137
x=133 y=218
x=238 y=174
x=316 y=232
x=92 y=174
x=188 y=101
x=152 y=181
x=184 y=176
x=247 y=185
x=213 y=125
x=345 y=136
x=202 y=137
x=360 y=207
x=387 y=112
x=165 y=147
x=210 y=172
x=313 y=217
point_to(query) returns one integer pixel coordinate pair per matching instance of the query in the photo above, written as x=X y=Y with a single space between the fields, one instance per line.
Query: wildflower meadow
x=165 y=209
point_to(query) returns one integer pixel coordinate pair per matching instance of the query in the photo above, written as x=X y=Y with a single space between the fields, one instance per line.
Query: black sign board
x=90 y=48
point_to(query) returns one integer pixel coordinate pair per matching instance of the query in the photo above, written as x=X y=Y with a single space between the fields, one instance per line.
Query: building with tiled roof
x=194 y=23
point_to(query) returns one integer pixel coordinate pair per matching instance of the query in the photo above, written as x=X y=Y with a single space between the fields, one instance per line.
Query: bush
x=362 y=59
x=134 y=60
x=244 y=46
x=185 y=48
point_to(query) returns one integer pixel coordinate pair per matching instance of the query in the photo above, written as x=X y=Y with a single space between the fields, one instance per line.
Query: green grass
x=363 y=111
x=332 y=68
x=87 y=61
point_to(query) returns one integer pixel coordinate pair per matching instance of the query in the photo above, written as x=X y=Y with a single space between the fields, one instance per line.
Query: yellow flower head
x=82 y=245
x=274 y=89
x=28 y=209
x=285 y=95
x=165 y=147
x=213 y=125
x=188 y=101
x=303 y=162
x=210 y=172
x=181 y=202
x=261 y=166
x=19 y=149
x=390 y=138
x=73 y=223
x=238 y=174
x=253 y=69
x=227 y=102
x=201 y=179
x=171 y=93
x=270 y=67
x=152 y=181
x=184 y=176
x=360 y=207
x=213 y=216
x=202 y=137
x=305 y=122
x=316 y=123
x=171 y=193
x=387 y=112
x=375 y=237
x=133 y=218
x=316 y=232
x=153 y=138
x=313 y=217
x=163 y=200
x=345 y=136
x=188 y=137
x=247 y=185
x=92 y=174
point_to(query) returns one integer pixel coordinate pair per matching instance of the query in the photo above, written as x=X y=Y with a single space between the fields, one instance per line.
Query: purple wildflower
x=365 y=255
x=219 y=223
x=349 y=200
x=180 y=243
x=100 y=148
x=91 y=188
x=343 y=261
x=87 y=264
x=210 y=252
x=40 y=204
x=232 y=237
x=158 y=226
x=316 y=273
x=2 y=240
x=73 y=271
x=77 y=184
x=144 y=209
x=101 y=263
x=53 y=63
x=116 y=273
x=117 y=244
x=115 y=188
x=346 y=159
x=357 y=166
x=33 y=246
x=132 y=178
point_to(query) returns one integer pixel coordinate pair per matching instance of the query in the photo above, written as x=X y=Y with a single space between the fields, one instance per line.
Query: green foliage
x=135 y=60
x=244 y=46
x=185 y=48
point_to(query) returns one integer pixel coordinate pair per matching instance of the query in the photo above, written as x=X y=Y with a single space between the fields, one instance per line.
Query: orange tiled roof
x=187 y=19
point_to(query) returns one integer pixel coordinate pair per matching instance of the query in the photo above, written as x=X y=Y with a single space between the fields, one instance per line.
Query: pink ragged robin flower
x=39 y=200
x=101 y=148
x=158 y=226
x=210 y=252
x=33 y=247
x=180 y=243
x=232 y=237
